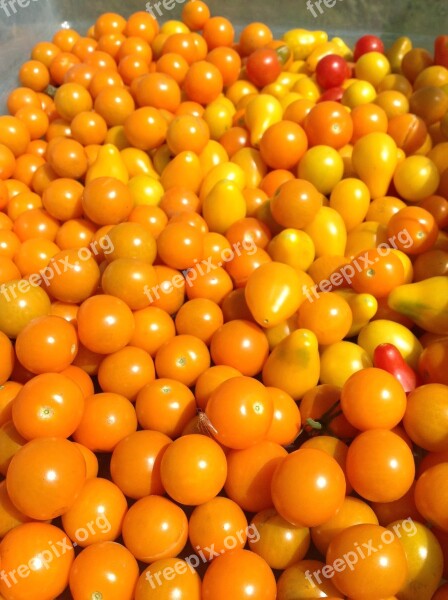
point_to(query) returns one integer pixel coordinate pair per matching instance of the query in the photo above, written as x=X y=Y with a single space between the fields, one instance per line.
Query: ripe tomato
x=308 y=487
x=331 y=71
x=263 y=66
x=45 y=477
x=239 y=574
x=107 y=568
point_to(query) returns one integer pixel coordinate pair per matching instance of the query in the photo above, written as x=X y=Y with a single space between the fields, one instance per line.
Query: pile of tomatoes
x=223 y=316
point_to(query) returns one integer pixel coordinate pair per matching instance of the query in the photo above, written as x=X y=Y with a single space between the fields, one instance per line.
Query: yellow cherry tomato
x=372 y=67
x=339 y=361
x=344 y=50
x=351 y=198
x=262 y=112
x=359 y=92
x=145 y=190
x=161 y=158
x=328 y=233
x=277 y=334
x=292 y=247
x=273 y=293
x=382 y=209
x=239 y=90
x=252 y=164
x=396 y=82
x=323 y=167
x=383 y=331
x=293 y=365
x=276 y=89
x=172 y=27
x=407 y=265
x=416 y=178
x=223 y=206
x=375 y=159
x=424 y=558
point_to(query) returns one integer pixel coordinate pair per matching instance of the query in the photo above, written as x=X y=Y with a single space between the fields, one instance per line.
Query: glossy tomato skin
x=332 y=71
x=263 y=67
x=368 y=43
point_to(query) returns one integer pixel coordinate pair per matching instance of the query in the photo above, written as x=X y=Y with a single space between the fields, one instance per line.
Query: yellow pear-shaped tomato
x=293 y=365
x=227 y=170
x=277 y=334
x=303 y=42
x=365 y=236
x=185 y=170
x=261 y=112
x=211 y=156
x=108 y=163
x=374 y=159
x=137 y=162
x=223 y=206
x=383 y=331
x=424 y=558
x=252 y=164
x=363 y=307
x=351 y=198
x=339 y=361
x=425 y=302
x=327 y=230
x=273 y=293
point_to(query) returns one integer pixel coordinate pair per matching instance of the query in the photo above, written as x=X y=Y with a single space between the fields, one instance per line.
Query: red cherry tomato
x=368 y=43
x=333 y=95
x=332 y=70
x=263 y=67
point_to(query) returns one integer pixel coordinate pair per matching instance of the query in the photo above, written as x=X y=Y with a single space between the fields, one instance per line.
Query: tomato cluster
x=223 y=315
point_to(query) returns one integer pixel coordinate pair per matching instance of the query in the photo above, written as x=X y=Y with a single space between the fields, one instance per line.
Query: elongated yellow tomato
x=293 y=365
x=227 y=170
x=219 y=117
x=363 y=307
x=365 y=236
x=374 y=159
x=302 y=41
x=423 y=556
x=274 y=293
x=261 y=112
x=252 y=164
x=213 y=155
x=137 y=162
x=388 y=332
x=339 y=361
x=397 y=52
x=223 y=206
x=108 y=163
x=351 y=198
x=185 y=168
x=425 y=302
x=327 y=230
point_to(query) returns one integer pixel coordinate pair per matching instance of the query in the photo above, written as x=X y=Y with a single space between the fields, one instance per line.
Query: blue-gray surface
x=30 y=21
